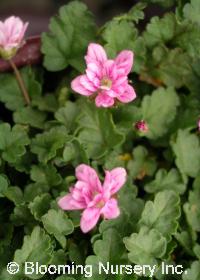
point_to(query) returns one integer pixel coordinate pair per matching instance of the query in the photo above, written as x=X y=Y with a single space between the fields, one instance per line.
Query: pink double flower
x=107 y=78
x=93 y=197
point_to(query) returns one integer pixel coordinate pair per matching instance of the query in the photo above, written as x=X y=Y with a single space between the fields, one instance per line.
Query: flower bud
x=12 y=32
x=141 y=126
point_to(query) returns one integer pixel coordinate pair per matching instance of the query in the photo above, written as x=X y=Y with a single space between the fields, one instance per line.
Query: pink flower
x=12 y=32
x=199 y=124
x=106 y=77
x=141 y=126
x=96 y=199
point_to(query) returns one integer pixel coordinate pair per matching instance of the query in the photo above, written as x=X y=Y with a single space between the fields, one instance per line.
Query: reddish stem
x=20 y=82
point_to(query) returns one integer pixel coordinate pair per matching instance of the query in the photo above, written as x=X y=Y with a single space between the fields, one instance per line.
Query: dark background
x=38 y=12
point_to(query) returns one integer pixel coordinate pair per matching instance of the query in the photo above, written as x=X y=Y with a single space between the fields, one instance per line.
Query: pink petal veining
x=107 y=78
x=93 y=197
x=12 y=32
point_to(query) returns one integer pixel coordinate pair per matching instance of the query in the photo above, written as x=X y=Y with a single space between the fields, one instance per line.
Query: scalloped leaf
x=146 y=246
x=162 y=214
x=166 y=181
x=97 y=131
x=65 y=44
x=159 y=110
x=110 y=247
x=58 y=224
x=13 y=142
x=46 y=144
x=187 y=151
x=37 y=247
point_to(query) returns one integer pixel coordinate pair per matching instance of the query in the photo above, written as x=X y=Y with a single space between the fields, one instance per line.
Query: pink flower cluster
x=95 y=199
x=105 y=77
x=12 y=32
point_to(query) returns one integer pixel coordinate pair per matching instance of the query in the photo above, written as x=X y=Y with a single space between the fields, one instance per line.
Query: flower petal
x=13 y=30
x=111 y=209
x=89 y=219
x=95 y=53
x=128 y=95
x=67 y=202
x=103 y=100
x=86 y=83
x=124 y=61
x=109 y=69
x=114 y=180
x=94 y=74
x=78 y=87
x=87 y=174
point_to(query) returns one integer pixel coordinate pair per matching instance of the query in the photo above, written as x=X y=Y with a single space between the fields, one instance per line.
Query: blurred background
x=38 y=12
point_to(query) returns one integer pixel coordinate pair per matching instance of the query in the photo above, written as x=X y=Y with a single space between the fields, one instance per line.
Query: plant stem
x=20 y=82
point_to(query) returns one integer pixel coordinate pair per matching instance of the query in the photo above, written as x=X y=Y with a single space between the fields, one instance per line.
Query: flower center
x=100 y=204
x=106 y=83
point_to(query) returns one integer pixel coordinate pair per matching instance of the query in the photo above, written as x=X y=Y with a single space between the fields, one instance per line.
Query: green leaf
x=6 y=235
x=67 y=115
x=128 y=201
x=160 y=30
x=188 y=113
x=128 y=39
x=45 y=174
x=45 y=145
x=30 y=116
x=3 y=185
x=40 y=205
x=74 y=151
x=169 y=67
x=196 y=250
x=12 y=142
x=192 y=208
x=185 y=239
x=141 y=164
x=162 y=214
x=187 y=151
x=58 y=224
x=193 y=273
x=174 y=68
x=59 y=258
x=14 y=194
x=36 y=247
x=110 y=248
x=47 y=103
x=65 y=44
x=10 y=93
x=145 y=247
x=159 y=110
x=35 y=189
x=189 y=39
x=191 y=11
x=136 y=12
x=76 y=252
x=97 y=132
x=193 y=82
x=21 y=216
x=126 y=116
x=94 y=262
x=122 y=224
x=166 y=181
x=116 y=43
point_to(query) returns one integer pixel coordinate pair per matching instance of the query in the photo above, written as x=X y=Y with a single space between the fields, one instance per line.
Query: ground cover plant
x=99 y=144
